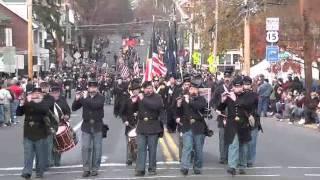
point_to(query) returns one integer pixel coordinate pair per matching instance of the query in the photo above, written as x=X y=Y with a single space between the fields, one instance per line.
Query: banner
x=196 y=56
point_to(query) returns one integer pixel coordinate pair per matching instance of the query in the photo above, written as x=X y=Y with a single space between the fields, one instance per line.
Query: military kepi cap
x=237 y=81
x=93 y=82
x=146 y=84
x=247 y=80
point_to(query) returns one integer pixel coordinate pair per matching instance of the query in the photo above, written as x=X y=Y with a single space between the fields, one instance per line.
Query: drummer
x=128 y=112
x=61 y=110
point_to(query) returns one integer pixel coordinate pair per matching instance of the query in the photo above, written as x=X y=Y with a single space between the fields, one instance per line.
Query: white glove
x=252 y=121
x=178 y=121
x=126 y=123
x=186 y=98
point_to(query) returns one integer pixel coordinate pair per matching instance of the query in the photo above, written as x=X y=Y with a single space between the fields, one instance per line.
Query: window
x=40 y=41
x=35 y=37
x=236 y=58
x=8 y=34
x=225 y=59
x=2 y=37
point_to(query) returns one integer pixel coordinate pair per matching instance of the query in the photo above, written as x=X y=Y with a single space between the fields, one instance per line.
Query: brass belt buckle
x=146 y=119
x=237 y=118
x=192 y=121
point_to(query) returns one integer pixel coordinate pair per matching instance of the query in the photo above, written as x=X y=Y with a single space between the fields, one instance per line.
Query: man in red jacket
x=17 y=91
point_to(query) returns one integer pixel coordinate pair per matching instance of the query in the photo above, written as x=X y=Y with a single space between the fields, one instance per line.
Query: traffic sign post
x=272 y=28
x=272 y=36
x=272 y=24
x=272 y=53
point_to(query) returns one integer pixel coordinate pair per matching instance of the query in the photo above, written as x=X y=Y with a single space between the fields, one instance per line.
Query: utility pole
x=30 y=40
x=307 y=46
x=215 y=43
x=193 y=29
x=247 y=58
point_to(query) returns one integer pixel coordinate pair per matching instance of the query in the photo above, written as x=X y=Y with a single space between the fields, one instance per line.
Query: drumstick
x=222 y=115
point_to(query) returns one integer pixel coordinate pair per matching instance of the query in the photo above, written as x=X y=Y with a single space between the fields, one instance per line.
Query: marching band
x=146 y=109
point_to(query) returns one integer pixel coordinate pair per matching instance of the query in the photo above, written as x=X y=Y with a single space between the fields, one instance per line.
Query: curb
x=308 y=126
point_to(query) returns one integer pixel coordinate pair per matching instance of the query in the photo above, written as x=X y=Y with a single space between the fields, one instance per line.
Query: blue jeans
x=34 y=149
x=223 y=147
x=50 y=151
x=56 y=159
x=1 y=114
x=129 y=154
x=150 y=143
x=108 y=96
x=252 y=146
x=91 y=150
x=238 y=154
x=297 y=112
x=279 y=107
x=192 y=142
x=14 y=106
x=7 y=112
x=263 y=105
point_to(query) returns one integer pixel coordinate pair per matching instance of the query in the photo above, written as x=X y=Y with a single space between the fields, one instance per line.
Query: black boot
x=231 y=171
x=94 y=173
x=86 y=174
x=26 y=176
x=140 y=173
x=242 y=171
x=184 y=171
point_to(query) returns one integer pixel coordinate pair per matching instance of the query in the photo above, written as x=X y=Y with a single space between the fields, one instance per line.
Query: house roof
x=26 y=20
x=14 y=0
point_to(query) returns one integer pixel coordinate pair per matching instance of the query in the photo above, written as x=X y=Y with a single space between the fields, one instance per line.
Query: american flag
x=159 y=68
x=154 y=67
x=124 y=71
x=148 y=71
x=136 y=70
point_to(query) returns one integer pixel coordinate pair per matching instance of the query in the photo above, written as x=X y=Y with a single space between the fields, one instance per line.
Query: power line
x=121 y=24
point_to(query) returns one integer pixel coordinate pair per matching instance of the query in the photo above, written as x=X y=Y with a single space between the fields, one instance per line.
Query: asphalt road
x=284 y=152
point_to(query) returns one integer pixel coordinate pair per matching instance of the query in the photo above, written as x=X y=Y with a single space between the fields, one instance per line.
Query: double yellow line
x=169 y=147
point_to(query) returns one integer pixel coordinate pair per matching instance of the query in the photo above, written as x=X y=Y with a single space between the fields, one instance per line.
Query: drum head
x=132 y=133
x=61 y=129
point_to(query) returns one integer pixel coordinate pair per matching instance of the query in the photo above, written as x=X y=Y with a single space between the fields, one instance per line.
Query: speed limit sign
x=272 y=36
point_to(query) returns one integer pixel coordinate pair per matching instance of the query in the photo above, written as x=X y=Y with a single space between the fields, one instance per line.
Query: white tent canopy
x=262 y=68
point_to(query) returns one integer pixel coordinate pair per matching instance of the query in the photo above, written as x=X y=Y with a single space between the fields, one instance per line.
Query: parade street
x=284 y=152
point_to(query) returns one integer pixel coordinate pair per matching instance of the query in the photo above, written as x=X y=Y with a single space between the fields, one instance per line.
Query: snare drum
x=132 y=143
x=64 y=139
x=132 y=133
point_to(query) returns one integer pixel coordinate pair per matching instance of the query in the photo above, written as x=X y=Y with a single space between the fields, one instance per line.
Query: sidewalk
x=308 y=126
